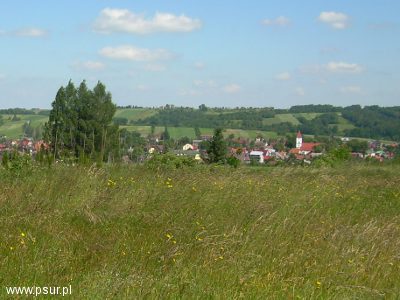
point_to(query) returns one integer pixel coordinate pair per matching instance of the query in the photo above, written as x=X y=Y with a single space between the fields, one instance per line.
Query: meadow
x=126 y=232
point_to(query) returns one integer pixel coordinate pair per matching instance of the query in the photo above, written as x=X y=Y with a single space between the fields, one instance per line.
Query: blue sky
x=188 y=52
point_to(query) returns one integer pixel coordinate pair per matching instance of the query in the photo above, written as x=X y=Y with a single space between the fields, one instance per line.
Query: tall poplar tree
x=80 y=122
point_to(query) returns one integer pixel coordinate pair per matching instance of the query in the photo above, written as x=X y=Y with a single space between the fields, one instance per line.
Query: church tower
x=299 y=140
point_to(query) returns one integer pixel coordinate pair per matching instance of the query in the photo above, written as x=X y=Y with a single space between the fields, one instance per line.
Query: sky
x=258 y=53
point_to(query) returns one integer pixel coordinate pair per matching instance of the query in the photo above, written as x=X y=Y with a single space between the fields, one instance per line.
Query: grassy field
x=13 y=129
x=135 y=114
x=204 y=233
x=280 y=118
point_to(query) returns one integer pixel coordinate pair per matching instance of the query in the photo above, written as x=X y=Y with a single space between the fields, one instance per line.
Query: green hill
x=371 y=122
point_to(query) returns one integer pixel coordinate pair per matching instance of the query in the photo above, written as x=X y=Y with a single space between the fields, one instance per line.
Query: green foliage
x=233 y=161
x=132 y=144
x=17 y=164
x=169 y=161
x=357 y=145
x=217 y=151
x=320 y=125
x=80 y=123
x=341 y=153
x=165 y=135
x=334 y=157
x=374 y=122
x=120 y=121
x=197 y=132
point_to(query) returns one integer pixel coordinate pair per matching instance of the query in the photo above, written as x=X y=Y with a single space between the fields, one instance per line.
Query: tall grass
x=128 y=232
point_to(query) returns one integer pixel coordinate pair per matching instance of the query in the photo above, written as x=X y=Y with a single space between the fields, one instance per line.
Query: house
x=39 y=145
x=257 y=156
x=189 y=147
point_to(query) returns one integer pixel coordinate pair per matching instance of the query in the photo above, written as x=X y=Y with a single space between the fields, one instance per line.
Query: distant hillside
x=371 y=122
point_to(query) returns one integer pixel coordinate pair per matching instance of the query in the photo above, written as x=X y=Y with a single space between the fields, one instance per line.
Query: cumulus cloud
x=280 y=21
x=122 y=20
x=342 y=67
x=352 y=89
x=89 y=65
x=283 y=76
x=135 y=54
x=336 y=20
x=30 y=32
x=232 y=88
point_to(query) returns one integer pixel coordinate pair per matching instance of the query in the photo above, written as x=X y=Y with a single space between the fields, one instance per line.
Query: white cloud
x=122 y=20
x=342 y=67
x=89 y=65
x=335 y=19
x=352 y=89
x=300 y=92
x=332 y=67
x=283 y=76
x=31 y=32
x=135 y=54
x=155 y=68
x=204 y=83
x=280 y=21
x=232 y=88
x=199 y=65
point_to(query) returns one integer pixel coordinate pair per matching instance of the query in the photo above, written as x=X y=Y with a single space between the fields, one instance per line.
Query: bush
x=233 y=161
x=17 y=164
x=170 y=161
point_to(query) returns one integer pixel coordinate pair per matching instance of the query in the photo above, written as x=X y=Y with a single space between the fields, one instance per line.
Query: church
x=303 y=148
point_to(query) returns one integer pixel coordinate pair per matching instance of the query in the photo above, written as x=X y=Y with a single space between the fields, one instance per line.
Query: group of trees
x=190 y=117
x=80 y=123
x=374 y=122
x=34 y=132
x=325 y=124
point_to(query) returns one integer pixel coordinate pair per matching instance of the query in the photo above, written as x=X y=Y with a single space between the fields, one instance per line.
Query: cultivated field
x=205 y=232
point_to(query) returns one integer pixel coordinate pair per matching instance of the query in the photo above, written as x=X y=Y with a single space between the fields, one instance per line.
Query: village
x=257 y=151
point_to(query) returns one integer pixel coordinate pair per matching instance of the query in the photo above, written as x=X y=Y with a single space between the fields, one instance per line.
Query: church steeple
x=299 y=140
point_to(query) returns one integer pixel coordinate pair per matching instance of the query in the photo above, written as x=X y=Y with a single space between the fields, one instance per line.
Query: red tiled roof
x=299 y=136
x=308 y=146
